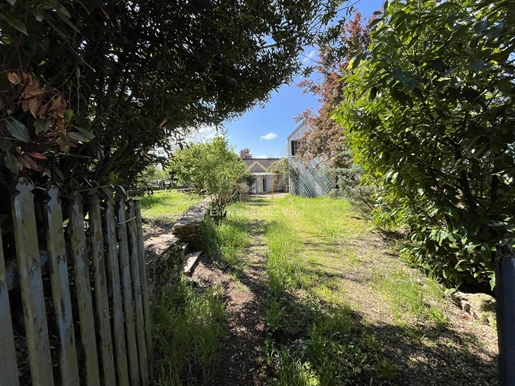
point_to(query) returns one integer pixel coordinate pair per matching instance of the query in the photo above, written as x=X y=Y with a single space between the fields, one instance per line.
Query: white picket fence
x=96 y=269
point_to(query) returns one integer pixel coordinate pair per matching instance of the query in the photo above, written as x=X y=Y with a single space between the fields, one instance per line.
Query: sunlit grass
x=328 y=344
x=230 y=237
x=412 y=297
x=167 y=206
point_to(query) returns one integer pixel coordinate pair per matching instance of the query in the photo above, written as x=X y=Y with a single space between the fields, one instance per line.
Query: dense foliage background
x=429 y=108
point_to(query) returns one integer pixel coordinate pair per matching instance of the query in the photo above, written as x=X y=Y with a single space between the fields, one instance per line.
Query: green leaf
x=17 y=129
x=15 y=23
x=486 y=253
x=495 y=224
x=355 y=62
x=40 y=126
x=505 y=86
x=497 y=30
x=12 y=2
x=477 y=65
x=375 y=22
x=11 y=163
x=86 y=133
x=59 y=173
x=480 y=27
x=65 y=16
x=5 y=144
x=68 y=115
x=77 y=136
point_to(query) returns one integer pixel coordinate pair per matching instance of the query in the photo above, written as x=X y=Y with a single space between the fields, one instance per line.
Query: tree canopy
x=89 y=88
x=245 y=153
x=430 y=109
x=210 y=169
x=324 y=139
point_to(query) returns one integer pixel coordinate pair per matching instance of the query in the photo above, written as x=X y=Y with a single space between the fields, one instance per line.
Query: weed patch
x=229 y=238
x=188 y=327
x=412 y=297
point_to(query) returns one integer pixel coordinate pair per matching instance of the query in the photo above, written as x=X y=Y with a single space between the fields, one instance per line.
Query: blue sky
x=264 y=129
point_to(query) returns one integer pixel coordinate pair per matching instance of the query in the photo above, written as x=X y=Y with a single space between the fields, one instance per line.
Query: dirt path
x=244 y=292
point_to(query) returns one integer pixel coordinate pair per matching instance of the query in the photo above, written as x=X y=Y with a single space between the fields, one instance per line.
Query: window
x=295 y=145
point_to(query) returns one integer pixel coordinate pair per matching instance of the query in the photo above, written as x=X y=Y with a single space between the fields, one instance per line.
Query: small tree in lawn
x=210 y=169
x=245 y=153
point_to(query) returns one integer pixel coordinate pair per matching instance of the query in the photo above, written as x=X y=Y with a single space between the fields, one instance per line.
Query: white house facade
x=266 y=181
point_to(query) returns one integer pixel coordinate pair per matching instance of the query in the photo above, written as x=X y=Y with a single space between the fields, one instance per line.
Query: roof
x=299 y=126
x=259 y=165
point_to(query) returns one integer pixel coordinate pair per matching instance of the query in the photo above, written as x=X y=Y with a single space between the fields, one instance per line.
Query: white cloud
x=202 y=134
x=261 y=156
x=269 y=136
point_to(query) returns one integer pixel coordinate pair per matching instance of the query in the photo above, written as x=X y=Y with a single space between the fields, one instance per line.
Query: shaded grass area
x=188 y=326
x=313 y=340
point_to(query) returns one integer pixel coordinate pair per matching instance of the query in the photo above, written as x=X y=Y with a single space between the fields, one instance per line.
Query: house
x=310 y=179
x=266 y=181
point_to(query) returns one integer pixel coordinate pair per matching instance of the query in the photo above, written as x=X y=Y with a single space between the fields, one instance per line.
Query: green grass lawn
x=343 y=309
x=340 y=307
x=167 y=206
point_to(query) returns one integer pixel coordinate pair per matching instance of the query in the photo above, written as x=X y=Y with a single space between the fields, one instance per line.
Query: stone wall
x=165 y=264
x=188 y=228
x=165 y=254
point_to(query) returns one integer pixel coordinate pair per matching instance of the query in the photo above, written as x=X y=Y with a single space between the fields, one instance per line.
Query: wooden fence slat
x=31 y=284
x=100 y=286
x=138 y=293
x=144 y=287
x=113 y=271
x=83 y=289
x=61 y=289
x=8 y=367
x=127 y=294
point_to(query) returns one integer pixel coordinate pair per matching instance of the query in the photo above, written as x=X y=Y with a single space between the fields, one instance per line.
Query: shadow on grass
x=240 y=352
x=310 y=339
x=306 y=341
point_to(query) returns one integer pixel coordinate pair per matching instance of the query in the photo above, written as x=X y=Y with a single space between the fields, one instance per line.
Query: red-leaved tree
x=325 y=138
x=245 y=153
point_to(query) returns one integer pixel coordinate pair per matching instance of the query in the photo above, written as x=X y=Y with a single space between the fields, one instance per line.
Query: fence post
x=126 y=286
x=505 y=303
x=113 y=272
x=146 y=307
x=138 y=295
x=31 y=284
x=83 y=290
x=101 y=308
x=61 y=298
x=8 y=367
